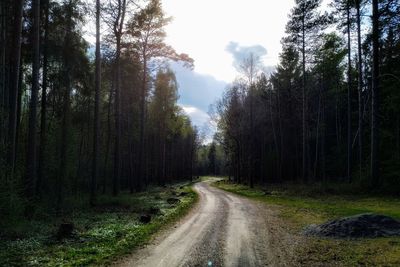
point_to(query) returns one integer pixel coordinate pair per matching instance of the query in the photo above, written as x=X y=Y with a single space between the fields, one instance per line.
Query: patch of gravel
x=358 y=226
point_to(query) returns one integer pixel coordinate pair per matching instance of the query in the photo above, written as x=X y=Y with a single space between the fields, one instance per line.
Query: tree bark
x=142 y=156
x=304 y=117
x=31 y=173
x=119 y=24
x=3 y=70
x=375 y=110
x=43 y=110
x=349 y=143
x=360 y=89
x=65 y=125
x=108 y=141
x=96 y=130
x=14 y=86
x=117 y=156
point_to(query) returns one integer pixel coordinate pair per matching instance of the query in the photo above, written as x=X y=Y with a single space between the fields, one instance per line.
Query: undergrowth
x=102 y=234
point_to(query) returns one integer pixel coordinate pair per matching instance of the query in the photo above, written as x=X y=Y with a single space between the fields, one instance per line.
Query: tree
x=14 y=84
x=330 y=69
x=286 y=85
x=117 y=10
x=31 y=152
x=73 y=107
x=162 y=108
x=230 y=120
x=250 y=68
x=304 y=23
x=96 y=130
x=375 y=108
x=212 y=158
x=349 y=139
x=147 y=33
x=360 y=86
x=344 y=9
x=43 y=109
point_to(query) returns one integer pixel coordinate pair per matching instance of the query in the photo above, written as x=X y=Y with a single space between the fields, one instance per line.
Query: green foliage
x=11 y=203
x=211 y=159
x=101 y=235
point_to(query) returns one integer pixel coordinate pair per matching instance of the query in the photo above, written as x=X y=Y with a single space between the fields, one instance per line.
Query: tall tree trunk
x=281 y=155
x=96 y=130
x=118 y=31
x=117 y=156
x=3 y=71
x=349 y=148
x=375 y=111
x=192 y=151
x=107 y=152
x=142 y=156
x=19 y=109
x=398 y=137
x=317 y=135
x=131 y=163
x=66 y=111
x=75 y=187
x=304 y=117
x=252 y=158
x=164 y=151
x=31 y=152
x=43 y=110
x=360 y=89
x=323 y=138
x=14 y=86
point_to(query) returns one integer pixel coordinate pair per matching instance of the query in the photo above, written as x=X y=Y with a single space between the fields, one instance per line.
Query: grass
x=101 y=235
x=301 y=208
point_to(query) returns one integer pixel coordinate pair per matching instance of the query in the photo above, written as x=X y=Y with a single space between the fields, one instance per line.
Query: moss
x=102 y=235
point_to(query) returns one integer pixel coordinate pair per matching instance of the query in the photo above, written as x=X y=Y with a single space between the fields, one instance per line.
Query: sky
x=217 y=34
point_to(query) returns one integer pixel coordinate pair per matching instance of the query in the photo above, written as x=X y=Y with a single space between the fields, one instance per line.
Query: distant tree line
x=330 y=110
x=211 y=160
x=82 y=120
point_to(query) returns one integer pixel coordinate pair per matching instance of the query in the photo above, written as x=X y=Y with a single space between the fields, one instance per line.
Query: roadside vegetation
x=111 y=229
x=301 y=206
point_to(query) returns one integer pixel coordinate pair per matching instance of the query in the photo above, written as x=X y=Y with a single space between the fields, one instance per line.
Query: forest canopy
x=83 y=119
x=330 y=110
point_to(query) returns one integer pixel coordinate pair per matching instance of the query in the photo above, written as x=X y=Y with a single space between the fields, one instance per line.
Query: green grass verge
x=300 y=210
x=102 y=235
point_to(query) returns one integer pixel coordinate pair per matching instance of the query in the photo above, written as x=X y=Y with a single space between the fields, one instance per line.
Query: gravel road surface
x=223 y=230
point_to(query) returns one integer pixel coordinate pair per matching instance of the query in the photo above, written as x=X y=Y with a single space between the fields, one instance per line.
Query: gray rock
x=358 y=226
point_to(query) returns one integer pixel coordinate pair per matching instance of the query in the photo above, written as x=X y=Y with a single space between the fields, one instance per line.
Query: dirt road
x=223 y=230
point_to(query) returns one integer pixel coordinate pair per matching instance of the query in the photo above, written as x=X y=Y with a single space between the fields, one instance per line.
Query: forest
x=97 y=154
x=78 y=119
x=329 y=113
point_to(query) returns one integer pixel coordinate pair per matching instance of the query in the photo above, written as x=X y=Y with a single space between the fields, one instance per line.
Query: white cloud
x=240 y=53
x=197 y=89
x=204 y=28
x=197 y=116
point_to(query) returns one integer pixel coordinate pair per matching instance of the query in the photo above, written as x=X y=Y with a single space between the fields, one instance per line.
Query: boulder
x=358 y=226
